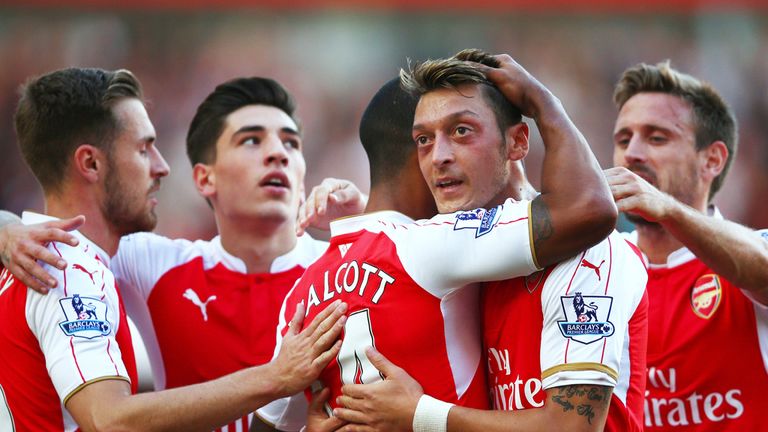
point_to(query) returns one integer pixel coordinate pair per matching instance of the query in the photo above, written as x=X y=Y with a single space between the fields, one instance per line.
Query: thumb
x=294 y=326
x=386 y=367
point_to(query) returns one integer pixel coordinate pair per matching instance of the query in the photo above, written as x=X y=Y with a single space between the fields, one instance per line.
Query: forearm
x=203 y=407
x=575 y=408
x=575 y=193
x=733 y=251
x=7 y=217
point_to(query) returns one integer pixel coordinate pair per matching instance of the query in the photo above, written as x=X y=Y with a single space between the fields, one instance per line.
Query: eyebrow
x=451 y=117
x=258 y=128
x=645 y=129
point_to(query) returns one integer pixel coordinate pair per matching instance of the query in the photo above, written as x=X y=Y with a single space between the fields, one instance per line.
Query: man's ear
x=714 y=158
x=517 y=141
x=89 y=162
x=205 y=180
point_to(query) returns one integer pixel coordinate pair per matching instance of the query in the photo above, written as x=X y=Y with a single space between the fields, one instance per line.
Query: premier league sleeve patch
x=586 y=318
x=480 y=220
x=86 y=317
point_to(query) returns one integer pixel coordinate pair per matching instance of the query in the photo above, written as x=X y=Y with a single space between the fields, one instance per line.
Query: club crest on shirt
x=86 y=317
x=706 y=295
x=481 y=220
x=586 y=318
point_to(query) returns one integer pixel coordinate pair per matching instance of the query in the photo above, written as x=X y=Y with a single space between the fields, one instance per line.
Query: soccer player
x=67 y=359
x=209 y=308
x=405 y=280
x=674 y=140
x=563 y=344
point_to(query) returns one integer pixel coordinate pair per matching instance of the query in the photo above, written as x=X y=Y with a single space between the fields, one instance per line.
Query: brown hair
x=60 y=110
x=461 y=69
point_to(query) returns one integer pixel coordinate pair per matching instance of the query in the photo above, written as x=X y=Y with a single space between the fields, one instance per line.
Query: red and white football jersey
x=53 y=345
x=201 y=315
x=707 y=350
x=582 y=321
x=406 y=286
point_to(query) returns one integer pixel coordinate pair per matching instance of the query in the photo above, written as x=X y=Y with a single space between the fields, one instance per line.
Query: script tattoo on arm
x=541 y=223
x=583 y=399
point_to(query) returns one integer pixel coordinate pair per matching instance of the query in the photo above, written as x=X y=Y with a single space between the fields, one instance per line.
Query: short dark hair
x=62 y=109
x=385 y=131
x=462 y=69
x=208 y=123
x=713 y=119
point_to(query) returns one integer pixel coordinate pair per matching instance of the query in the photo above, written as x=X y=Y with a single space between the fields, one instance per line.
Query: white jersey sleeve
x=76 y=323
x=587 y=303
x=143 y=258
x=449 y=251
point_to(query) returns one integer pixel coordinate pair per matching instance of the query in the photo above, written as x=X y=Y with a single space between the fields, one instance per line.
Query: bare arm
x=392 y=404
x=108 y=405
x=21 y=246
x=735 y=252
x=575 y=209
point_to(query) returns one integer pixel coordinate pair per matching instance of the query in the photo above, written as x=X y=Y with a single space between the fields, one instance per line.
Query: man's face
x=462 y=152
x=135 y=167
x=259 y=168
x=655 y=137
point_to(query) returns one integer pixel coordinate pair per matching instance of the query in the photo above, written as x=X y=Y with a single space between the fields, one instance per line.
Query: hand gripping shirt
x=707 y=350
x=582 y=321
x=53 y=345
x=201 y=314
x=406 y=286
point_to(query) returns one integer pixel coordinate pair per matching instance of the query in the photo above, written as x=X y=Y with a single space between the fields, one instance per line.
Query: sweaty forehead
x=265 y=116
x=655 y=110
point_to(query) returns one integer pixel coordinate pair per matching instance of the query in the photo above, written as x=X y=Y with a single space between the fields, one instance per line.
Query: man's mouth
x=277 y=179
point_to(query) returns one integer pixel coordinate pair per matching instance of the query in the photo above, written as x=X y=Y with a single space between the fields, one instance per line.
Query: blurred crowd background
x=333 y=58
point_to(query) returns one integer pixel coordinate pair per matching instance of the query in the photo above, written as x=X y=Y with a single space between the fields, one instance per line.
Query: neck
x=96 y=228
x=656 y=242
x=407 y=194
x=257 y=242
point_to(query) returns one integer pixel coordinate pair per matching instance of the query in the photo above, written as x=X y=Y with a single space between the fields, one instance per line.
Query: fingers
x=319 y=399
x=355 y=390
x=32 y=268
x=62 y=226
x=382 y=363
x=350 y=415
x=323 y=359
x=27 y=279
x=36 y=252
x=333 y=309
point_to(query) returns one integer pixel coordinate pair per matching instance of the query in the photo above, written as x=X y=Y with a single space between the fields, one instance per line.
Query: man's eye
x=252 y=141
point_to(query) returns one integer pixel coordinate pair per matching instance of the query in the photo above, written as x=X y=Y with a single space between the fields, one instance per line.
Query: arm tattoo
x=541 y=222
x=586 y=397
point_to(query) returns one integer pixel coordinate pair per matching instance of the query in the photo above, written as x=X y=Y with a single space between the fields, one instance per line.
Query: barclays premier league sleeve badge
x=586 y=318
x=480 y=220
x=86 y=317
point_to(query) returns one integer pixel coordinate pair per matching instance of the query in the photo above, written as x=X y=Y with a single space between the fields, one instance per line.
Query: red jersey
x=406 y=286
x=199 y=311
x=53 y=345
x=582 y=321
x=707 y=351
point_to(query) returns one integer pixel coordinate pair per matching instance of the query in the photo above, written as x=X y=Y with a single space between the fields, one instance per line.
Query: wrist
x=431 y=415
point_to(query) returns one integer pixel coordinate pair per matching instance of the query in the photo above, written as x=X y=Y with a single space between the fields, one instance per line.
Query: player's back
x=434 y=339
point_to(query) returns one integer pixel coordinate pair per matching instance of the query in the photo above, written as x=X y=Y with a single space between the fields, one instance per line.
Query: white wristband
x=431 y=415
